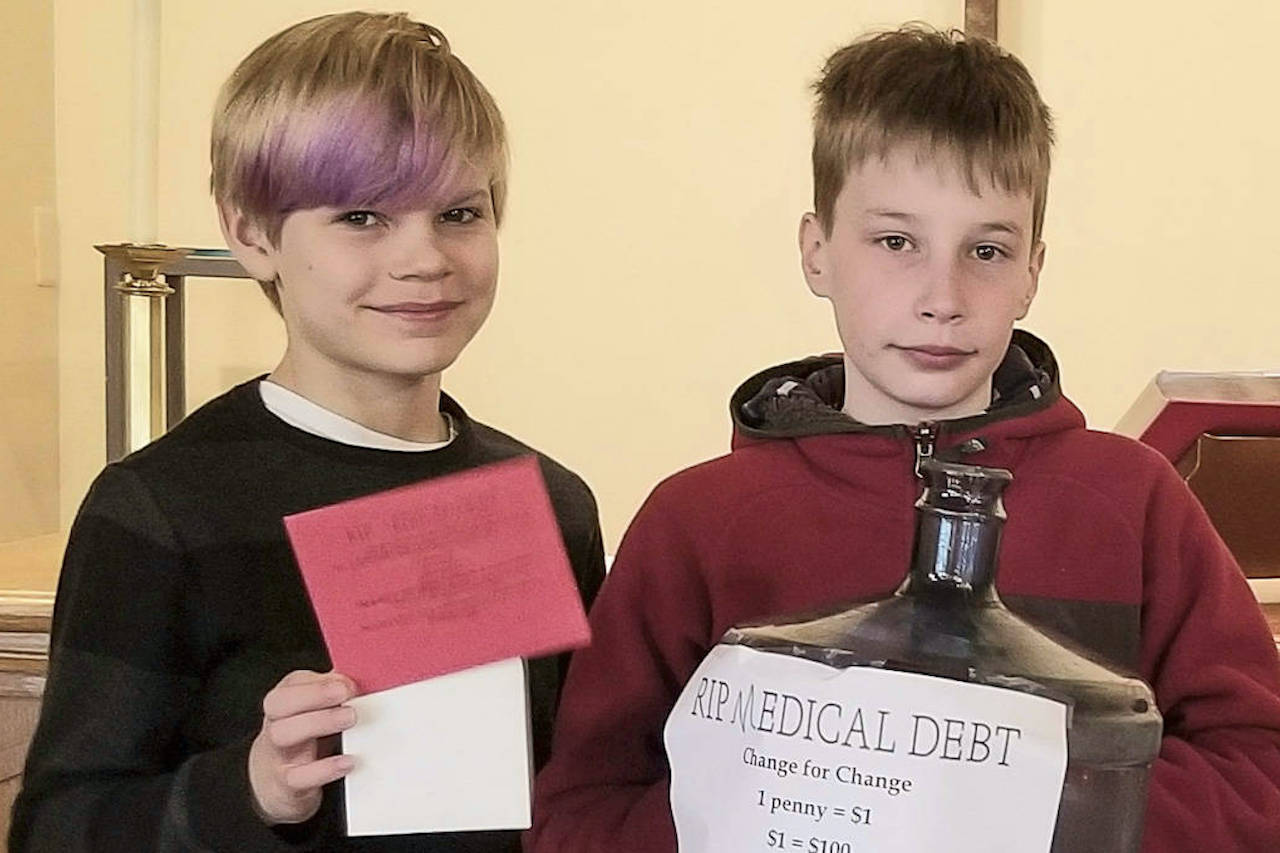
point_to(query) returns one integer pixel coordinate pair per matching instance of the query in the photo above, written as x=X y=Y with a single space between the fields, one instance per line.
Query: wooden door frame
x=981 y=18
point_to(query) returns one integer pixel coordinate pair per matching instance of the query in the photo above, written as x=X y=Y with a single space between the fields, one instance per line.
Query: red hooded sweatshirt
x=1104 y=544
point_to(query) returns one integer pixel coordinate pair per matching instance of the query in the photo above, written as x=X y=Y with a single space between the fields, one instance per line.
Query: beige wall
x=660 y=168
x=1162 y=211
x=91 y=50
x=28 y=313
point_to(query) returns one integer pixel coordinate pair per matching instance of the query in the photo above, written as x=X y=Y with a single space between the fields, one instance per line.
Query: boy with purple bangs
x=359 y=170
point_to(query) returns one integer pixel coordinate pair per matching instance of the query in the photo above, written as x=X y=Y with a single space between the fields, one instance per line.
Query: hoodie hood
x=805 y=397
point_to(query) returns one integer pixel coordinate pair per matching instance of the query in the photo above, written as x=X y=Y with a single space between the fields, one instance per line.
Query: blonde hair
x=351 y=110
x=946 y=93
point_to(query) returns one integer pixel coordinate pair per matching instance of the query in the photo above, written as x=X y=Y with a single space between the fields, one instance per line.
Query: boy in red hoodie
x=931 y=163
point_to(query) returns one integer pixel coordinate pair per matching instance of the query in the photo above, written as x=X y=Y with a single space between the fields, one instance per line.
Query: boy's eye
x=461 y=215
x=987 y=252
x=894 y=242
x=359 y=218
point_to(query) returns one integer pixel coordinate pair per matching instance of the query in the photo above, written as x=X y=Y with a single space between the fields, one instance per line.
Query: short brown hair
x=946 y=92
x=350 y=110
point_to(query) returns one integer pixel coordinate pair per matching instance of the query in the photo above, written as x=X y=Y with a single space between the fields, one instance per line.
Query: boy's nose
x=942 y=298
x=417 y=254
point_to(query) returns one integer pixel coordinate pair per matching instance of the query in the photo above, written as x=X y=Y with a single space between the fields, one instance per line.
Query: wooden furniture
x=28 y=577
x=1272 y=612
x=981 y=18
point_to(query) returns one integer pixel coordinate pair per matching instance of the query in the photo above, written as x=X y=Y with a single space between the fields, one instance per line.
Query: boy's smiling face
x=379 y=294
x=926 y=278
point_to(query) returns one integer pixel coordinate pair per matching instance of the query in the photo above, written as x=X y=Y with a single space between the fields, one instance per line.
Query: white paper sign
x=448 y=754
x=775 y=753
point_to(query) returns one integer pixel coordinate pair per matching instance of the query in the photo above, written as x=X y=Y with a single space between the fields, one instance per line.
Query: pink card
x=440 y=576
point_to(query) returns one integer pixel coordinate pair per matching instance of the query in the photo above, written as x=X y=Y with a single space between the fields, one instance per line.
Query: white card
x=448 y=754
x=770 y=752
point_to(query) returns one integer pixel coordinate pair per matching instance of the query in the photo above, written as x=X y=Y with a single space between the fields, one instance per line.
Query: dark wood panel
x=981 y=18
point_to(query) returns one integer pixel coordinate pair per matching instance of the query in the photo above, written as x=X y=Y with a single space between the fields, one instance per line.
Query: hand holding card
x=459 y=577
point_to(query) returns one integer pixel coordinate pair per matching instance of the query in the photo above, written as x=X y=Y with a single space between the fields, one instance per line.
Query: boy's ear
x=1035 y=264
x=248 y=242
x=813 y=254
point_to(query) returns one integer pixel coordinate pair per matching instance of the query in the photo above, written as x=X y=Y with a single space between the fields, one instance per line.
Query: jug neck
x=959 y=521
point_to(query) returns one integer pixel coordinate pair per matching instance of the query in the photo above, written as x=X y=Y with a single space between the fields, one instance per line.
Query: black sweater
x=180 y=605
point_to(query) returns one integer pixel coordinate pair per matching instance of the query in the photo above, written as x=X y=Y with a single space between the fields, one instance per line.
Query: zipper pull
x=925 y=434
